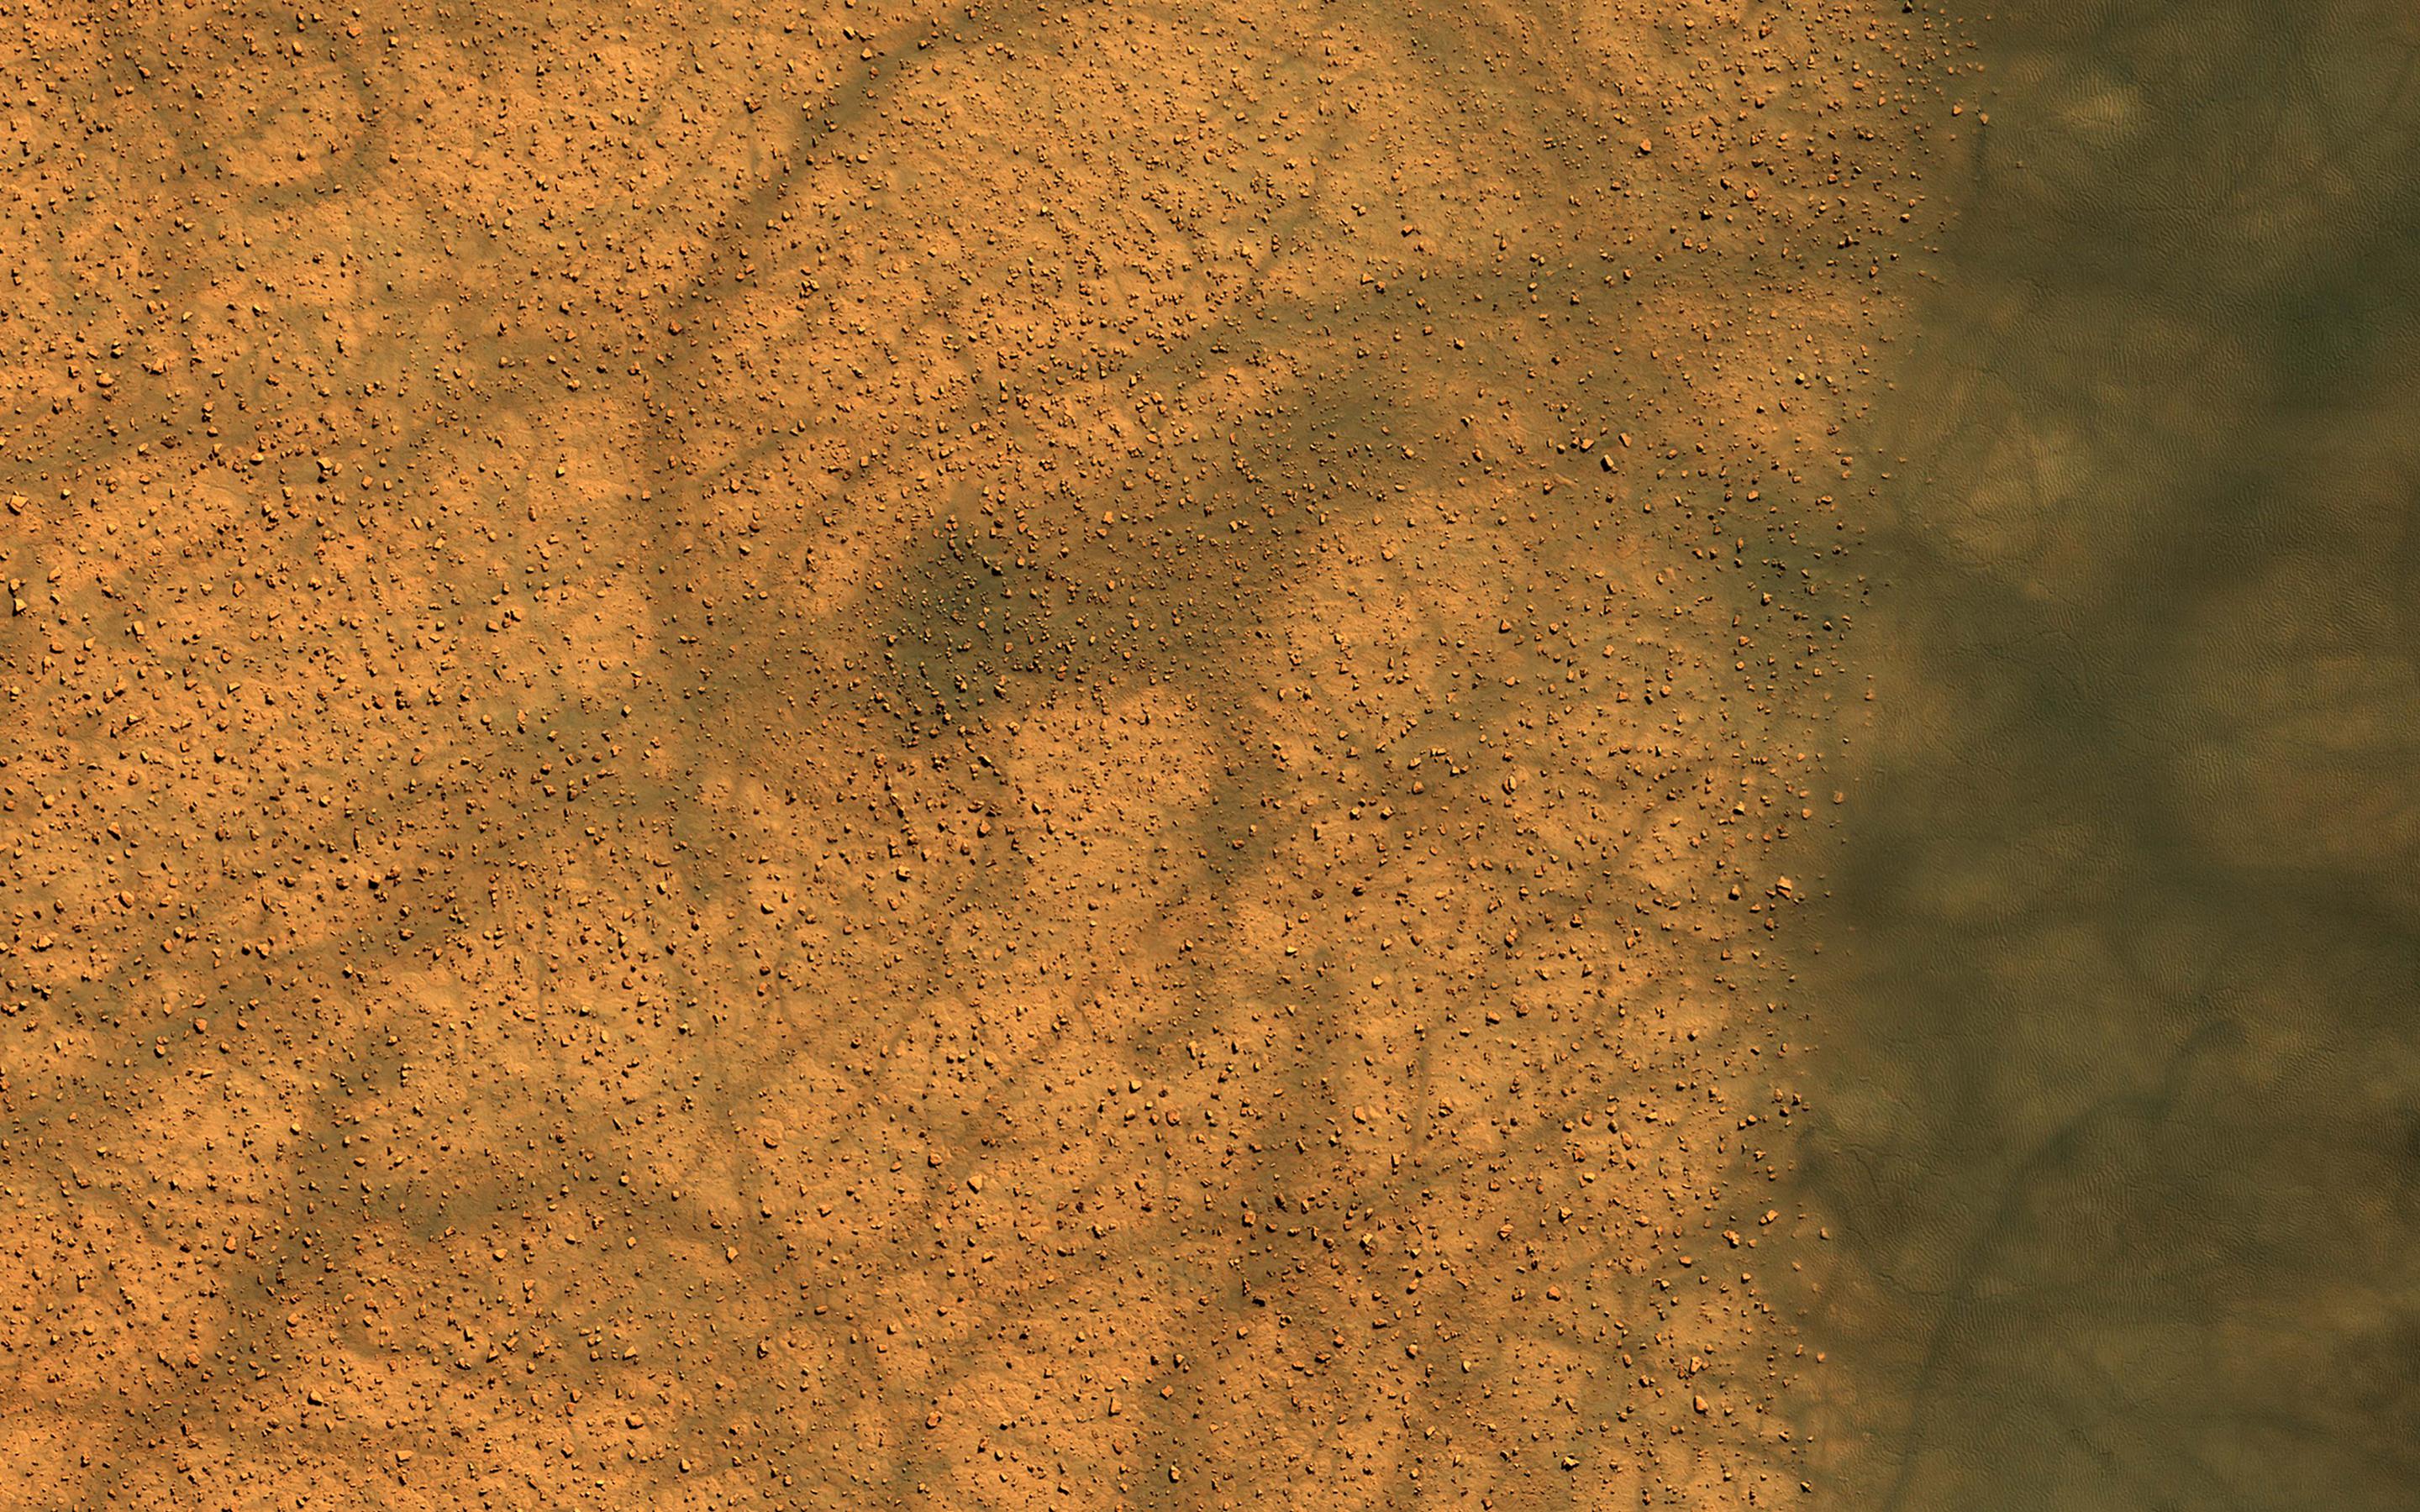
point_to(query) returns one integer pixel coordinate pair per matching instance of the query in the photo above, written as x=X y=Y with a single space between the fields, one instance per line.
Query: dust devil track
x=2122 y=1140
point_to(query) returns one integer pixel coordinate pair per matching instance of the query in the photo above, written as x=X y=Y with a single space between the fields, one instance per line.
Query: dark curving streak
x=2126 y=1078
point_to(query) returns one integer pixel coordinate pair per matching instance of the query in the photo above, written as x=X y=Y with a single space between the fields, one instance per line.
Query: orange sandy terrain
x=904 y=755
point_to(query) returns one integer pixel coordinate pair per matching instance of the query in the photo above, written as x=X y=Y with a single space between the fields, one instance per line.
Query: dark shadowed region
x=2121 y=1140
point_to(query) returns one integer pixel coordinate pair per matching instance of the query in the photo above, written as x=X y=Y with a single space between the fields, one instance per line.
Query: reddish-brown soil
x=888 y=755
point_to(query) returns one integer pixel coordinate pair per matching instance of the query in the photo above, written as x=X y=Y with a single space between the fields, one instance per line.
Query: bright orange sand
x=887 y=755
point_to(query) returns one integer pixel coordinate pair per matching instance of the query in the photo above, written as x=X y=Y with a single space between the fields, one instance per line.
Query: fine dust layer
x=2124 y=1155
x=894 y=755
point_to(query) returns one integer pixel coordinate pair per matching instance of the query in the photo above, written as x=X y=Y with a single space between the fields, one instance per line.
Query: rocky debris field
x=913 y=755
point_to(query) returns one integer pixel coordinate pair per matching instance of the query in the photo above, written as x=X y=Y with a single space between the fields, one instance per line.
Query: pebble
x=920 y=583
